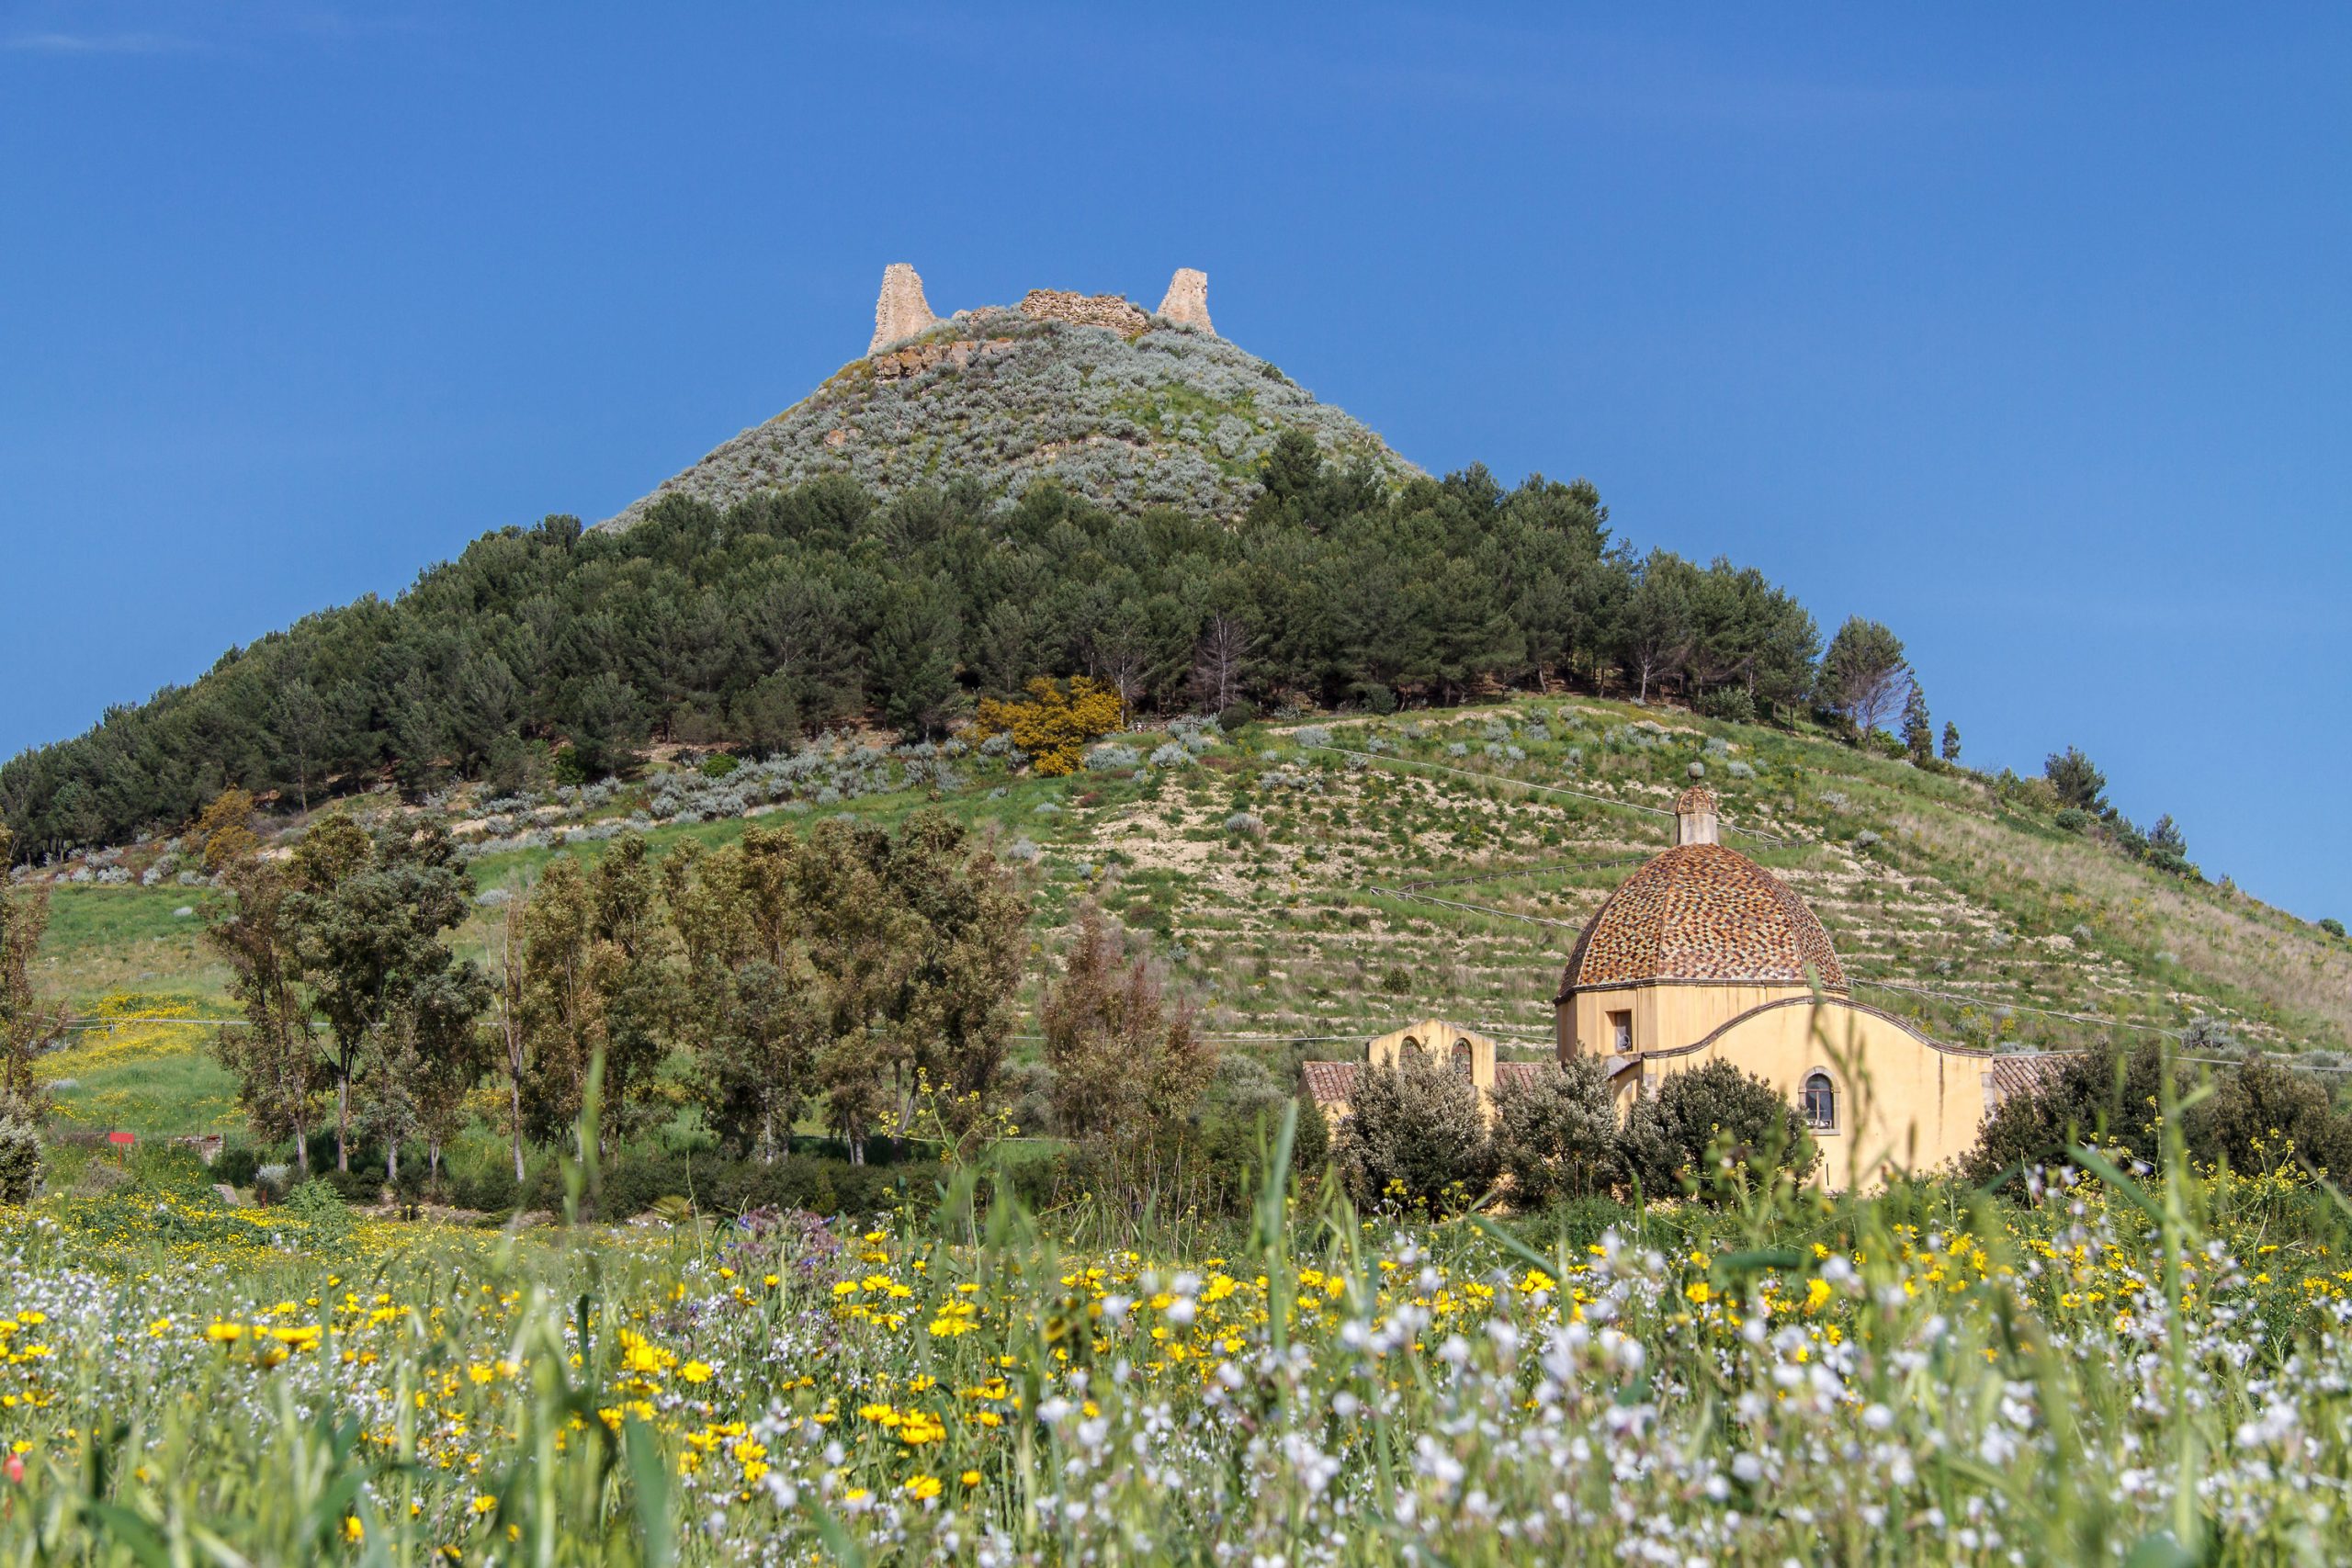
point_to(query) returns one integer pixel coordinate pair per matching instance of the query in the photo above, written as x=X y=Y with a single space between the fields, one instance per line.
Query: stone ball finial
x=1187 y=301
x=901 y=311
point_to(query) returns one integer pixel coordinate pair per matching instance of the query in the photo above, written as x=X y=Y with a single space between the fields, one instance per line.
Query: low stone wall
x=917 y=357
x=1110 y=310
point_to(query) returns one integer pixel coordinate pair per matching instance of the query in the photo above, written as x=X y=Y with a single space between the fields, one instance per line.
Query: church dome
x=1701 y=912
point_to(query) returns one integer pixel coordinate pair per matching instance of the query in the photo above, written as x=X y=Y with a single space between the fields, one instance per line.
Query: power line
x=2014 y=1007
x=1472 y=909
x=1415 y=892
x=1537 y=869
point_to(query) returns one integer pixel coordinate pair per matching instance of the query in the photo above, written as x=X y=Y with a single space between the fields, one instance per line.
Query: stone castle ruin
x=1151 y=410
x=1187 y=299
x=901 y=311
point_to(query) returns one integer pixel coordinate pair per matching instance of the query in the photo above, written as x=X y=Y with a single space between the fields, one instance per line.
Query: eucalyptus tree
x=367 y=917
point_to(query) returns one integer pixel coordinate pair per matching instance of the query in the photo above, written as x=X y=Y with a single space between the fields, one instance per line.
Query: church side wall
x=1901 y=1102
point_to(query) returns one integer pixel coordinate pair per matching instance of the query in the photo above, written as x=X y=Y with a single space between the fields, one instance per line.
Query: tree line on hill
x=861 y=978
x=842 y=968
x=554 y=649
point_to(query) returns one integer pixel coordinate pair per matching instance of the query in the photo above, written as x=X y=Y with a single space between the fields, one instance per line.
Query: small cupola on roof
x=1695 y=817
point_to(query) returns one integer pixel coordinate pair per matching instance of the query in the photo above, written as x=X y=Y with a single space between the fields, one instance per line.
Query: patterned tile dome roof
x=1706 y=913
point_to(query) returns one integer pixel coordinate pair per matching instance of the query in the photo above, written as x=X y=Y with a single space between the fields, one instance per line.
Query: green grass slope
x=1313 y=884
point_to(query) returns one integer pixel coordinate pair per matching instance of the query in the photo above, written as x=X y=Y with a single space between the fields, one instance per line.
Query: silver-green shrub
x=20 y=1154
x=1414 y=1137
x=1555 y=1132
x=1714 y=1124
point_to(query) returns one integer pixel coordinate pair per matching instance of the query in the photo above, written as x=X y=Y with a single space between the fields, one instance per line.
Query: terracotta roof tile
x=1330 y=1083
x=1698 y=797
x=2017 y=1073
x=1703 y=912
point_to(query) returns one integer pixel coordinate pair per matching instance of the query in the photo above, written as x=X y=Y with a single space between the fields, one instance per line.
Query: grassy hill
x=1315 y=882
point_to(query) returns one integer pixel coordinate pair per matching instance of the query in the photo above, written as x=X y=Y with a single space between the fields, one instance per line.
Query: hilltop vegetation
x=1168 y=417
x=551 y=652
x=555 y=654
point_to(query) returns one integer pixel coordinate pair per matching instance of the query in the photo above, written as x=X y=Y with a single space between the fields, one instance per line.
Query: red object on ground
x=122 y=1137
x=15 y=1467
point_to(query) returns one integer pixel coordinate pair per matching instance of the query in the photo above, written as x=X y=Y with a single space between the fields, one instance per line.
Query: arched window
x=1462 y=1059
x=1820 y=1102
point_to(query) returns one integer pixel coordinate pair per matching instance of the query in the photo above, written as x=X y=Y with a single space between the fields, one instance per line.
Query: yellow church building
x=1702 y=955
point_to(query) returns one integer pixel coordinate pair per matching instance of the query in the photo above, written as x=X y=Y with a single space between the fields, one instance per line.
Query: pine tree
x=1863 y=675
x=2076 y=780
x=1952 y=742
x=915 y=656
x=1918 y=729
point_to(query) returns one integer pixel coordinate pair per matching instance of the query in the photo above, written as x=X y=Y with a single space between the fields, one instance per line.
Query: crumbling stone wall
x=1187 y=299
x=901 y=311
x=1110 y=310
x=917 y=357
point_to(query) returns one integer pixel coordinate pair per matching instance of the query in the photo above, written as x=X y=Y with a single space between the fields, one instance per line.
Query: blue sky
x=2023 y=329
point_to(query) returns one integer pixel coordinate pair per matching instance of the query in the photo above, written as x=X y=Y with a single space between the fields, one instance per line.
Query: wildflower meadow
x=2103 y=1365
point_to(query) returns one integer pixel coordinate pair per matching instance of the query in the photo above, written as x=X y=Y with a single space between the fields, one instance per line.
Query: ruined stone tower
x=901 y=311
x=1187 y=301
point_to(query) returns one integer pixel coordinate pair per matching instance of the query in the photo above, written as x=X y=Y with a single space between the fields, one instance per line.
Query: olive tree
x=1555 y=1132
x=1414 y=1135
x=20 y=1152
x=1714 y=1122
